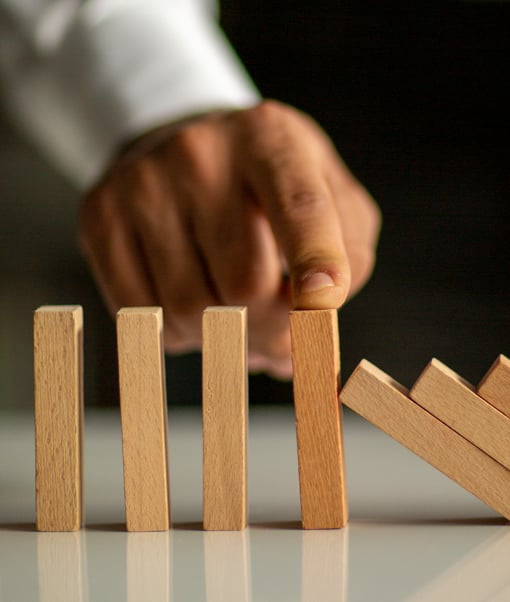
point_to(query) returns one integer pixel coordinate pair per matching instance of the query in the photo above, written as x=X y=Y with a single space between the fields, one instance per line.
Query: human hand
x=250 y=207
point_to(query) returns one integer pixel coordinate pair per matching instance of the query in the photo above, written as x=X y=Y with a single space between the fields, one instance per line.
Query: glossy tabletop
x=413 y=534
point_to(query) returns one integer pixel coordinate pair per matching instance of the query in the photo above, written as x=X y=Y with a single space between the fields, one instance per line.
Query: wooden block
x=316 y=365
x=495 y=385
x=452 y=400
x=144 y=418
x=225 y=417
x=58 y=397
x=383 y=402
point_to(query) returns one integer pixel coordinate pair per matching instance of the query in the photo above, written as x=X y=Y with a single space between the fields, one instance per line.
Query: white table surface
x=413 y=534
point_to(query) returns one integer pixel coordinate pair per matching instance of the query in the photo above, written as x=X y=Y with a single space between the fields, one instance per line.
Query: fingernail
x=316 y=281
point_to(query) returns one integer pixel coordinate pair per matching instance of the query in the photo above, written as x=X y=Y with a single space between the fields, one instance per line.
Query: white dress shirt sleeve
x=83 y=77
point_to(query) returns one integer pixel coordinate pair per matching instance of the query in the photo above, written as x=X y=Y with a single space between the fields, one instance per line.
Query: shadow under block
x=144 y=418
x=452 y=400
x=316 y=365
x=225 y=417
x=58 y=401
x=379 y=399
x=495 y=385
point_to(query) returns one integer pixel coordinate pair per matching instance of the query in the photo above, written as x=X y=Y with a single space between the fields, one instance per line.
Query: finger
x=180 y=281
x=111 y=248
x=361 y=222
x=234 y=237
x=287 y=177
x=243 y=260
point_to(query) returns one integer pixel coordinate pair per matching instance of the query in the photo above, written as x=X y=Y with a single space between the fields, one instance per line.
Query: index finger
x=288 y=179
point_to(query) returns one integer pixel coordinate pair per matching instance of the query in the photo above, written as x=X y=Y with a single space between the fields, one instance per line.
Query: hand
x=250 y=207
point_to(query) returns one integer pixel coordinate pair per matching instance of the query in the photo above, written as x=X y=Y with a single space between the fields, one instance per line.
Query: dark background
x=415 y=99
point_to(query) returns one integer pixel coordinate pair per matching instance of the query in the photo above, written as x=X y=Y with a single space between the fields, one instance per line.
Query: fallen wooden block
x=316 y=364
x=383 y=402
x=225 y=418
x=452 y=400
x=144 y=418
x=495 y=385
x=58 y=400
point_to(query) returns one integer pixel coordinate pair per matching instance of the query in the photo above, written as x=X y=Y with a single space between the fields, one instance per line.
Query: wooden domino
x=495 y=385
x=144 y=418
x=316 y=365
x=383 y=402
x=58 y=400
x=225 y=415
x=443 y=393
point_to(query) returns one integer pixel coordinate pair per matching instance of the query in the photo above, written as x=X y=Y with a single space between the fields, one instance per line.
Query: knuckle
x=186 y=141
x=304 y=201
x=263 y=115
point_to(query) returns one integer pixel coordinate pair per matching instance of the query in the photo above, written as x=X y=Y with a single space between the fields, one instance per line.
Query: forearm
x=112 y=70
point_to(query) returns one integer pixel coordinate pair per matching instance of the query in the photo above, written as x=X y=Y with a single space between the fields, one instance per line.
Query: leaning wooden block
x=452 y=400
x=316 y=364
x=225 y=416
x=383 y=402
x=58 y=366
x=495 y=385
x=144 y=418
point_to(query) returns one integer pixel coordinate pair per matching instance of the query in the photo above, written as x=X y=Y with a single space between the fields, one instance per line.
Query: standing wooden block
x=452 y=400
x=495 y=385
x=144 y=418
x=383 y=402
x=58 y=367
x=225 y=417
x=316 y=364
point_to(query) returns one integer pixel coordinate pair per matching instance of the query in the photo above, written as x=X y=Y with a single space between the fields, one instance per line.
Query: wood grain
x=225 y=418
x=383 y=402
x=58 y=400
x=448 y=397
x=144 y=418
x=495 y=385
x=316 y=365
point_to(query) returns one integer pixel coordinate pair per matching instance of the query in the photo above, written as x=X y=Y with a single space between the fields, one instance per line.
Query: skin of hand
x=250 y=207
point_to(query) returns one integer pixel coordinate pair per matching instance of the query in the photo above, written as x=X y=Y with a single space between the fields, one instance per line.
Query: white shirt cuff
x=121 y=71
